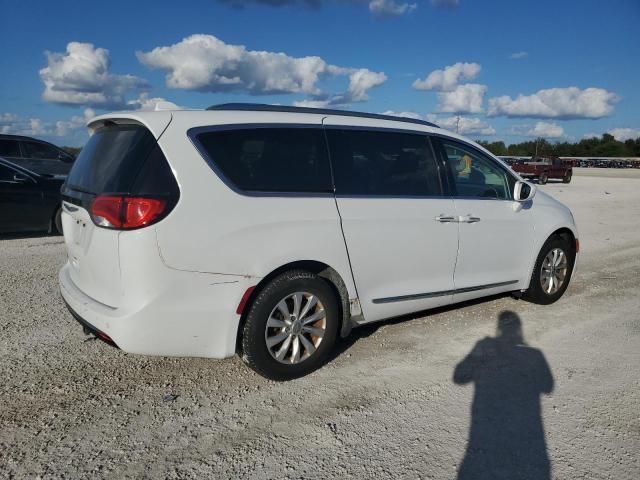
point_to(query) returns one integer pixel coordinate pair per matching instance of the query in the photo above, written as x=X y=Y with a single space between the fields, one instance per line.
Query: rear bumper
x=88 y=328
x=188 y=314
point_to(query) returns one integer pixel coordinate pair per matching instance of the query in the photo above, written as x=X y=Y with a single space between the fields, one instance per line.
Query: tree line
x=605 y=146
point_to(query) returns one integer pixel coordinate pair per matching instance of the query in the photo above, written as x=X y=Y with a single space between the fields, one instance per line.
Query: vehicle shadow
x=27 y=235
x=366 y=330
x=506 y=434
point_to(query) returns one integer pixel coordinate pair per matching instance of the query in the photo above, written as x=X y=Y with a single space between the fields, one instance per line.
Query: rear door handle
x=446 y=219
x=469 y=219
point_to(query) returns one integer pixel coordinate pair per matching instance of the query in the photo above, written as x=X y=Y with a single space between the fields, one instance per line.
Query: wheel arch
x=563 y=231
x=566 y=233
x=321 y=269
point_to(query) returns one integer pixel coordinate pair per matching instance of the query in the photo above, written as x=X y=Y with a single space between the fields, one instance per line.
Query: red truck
x=542 y=169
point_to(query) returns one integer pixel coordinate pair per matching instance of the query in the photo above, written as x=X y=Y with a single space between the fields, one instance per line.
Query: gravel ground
x=395 y=402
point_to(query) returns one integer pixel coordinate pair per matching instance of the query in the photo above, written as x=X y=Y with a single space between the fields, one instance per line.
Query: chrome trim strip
x=418 y=296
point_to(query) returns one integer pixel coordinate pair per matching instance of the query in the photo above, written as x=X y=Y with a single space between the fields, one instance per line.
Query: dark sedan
x=36 y=155
x=29 y=202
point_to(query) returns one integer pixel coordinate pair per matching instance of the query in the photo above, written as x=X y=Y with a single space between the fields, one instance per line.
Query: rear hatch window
x=121 y=159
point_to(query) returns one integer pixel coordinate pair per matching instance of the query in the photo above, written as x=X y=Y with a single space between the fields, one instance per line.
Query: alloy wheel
x=295 y=328
x=553 y=271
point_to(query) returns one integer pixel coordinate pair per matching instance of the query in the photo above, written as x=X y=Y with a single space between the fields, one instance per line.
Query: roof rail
x=263 y=107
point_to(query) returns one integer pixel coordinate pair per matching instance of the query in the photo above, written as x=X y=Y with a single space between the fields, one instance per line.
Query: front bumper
x=189 y=314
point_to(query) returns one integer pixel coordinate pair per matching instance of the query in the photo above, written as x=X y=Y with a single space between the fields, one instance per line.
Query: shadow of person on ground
x=506 y=437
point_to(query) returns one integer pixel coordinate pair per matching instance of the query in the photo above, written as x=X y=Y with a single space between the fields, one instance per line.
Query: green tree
x=605 y=146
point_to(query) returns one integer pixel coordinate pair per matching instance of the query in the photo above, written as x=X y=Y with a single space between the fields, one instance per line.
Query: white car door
x=496 y=232
x=398 y=227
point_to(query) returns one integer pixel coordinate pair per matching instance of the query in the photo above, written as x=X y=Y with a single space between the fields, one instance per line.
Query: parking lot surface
x=395 y=402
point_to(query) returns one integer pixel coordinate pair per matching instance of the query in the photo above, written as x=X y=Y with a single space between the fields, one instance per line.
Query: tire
x=538 y=291
x=567 y=178
x=268 y=307
x=57 y=221
x=542 y=179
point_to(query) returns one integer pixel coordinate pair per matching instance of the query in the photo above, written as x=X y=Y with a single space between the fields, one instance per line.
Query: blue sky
x=510 y=70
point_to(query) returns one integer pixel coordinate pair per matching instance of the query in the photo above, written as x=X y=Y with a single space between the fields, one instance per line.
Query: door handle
x=19 y=178
x=446 y=219
x=469 y=219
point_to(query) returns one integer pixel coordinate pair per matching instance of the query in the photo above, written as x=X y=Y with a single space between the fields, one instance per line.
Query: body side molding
x=417 y=296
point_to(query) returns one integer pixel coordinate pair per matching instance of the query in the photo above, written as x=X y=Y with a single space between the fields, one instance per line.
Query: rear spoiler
x=156 y=122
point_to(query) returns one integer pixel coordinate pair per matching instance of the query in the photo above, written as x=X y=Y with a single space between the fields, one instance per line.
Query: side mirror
x=523 y=191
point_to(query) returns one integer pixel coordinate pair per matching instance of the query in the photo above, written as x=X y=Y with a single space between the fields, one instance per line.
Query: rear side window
x=381 y=163
x=269 y=159
x=122 y=159
x=9 y=148
x=40 y=150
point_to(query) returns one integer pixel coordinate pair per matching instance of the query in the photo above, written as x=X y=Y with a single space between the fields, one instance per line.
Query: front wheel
x=552 y=271
x=291 y=326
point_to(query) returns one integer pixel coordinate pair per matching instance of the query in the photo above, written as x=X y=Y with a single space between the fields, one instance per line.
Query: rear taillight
x=126 y=213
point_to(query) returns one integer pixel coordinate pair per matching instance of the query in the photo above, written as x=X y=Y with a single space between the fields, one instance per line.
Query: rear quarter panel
x=216 y=230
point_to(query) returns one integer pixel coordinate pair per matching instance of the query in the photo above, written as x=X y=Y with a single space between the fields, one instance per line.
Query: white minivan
x=271 y=231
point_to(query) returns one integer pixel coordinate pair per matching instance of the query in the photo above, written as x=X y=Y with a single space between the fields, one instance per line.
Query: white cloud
x=623 y=134
x=144 y=103
x=7 y=119
x=563 y=103
x=540 y=129
x=445 y=3
x=465 y=98
x=311 y=103
x=36 y=127
x=413 y=115
x=390 y=8
x=361 y=81
x=518 y=55
x=547 y=130
x=378 y=8
x=64 y=127
x=207 y=64
x=447 y=80
x=81 y=76
x=463 y=125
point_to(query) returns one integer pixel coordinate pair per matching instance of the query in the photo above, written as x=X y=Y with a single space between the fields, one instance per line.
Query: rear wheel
x=567 y=178
x=552 y=271
x=291 y=326
x=542 y=179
